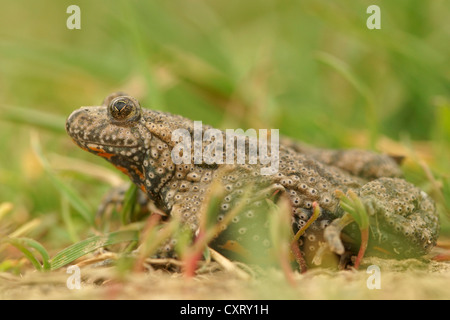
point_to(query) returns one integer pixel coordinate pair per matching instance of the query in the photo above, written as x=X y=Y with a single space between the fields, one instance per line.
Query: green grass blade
x=75 y=200
x=23 y=243
x=65 y=190
x=68 y=221
x=345 y=71
x=5 y=208
x=353 y=205
x=86 y=246
x=154 y=235
x=355 y=208
x=27 y=253
x=129 y=204
x=361 y=210
x=351 y=211
x=33 y=117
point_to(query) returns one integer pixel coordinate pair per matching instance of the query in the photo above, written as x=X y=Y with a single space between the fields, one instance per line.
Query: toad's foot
x=403 y=220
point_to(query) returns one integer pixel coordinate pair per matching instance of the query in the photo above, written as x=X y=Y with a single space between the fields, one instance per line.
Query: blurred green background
x=310 y=68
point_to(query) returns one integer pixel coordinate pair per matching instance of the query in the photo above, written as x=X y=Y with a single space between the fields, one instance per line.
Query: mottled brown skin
x=404 y=222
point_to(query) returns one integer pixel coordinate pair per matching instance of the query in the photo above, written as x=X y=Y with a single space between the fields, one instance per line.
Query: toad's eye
x=124 y=108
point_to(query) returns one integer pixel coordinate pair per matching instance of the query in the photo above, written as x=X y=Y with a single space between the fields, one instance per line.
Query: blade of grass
x=65 y=190
x=153 y=236
x=86 y=246
x=208 y=229
x=68 y=221
x=360 y=215
x=37 y=118
x=228 y=265
x=344 y=70
x=27 y=253
x=63 y=164
x=23 y=243
x=25 y=228
x=129 y=204
x=360 y=209
x=5 y=208
x=281 y=235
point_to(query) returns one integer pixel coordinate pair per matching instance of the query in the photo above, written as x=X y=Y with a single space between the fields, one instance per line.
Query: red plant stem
x=298 y=257
x=190 y=264
x=286 y=267
x=194 y=255
x=442 y=257
x=149 y=227
x=363 y=247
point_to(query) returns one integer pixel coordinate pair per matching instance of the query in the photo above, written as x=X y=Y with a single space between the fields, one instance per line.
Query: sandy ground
x=408 y=279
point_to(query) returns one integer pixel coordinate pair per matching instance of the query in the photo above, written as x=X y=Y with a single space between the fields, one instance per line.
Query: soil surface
x=407 y=279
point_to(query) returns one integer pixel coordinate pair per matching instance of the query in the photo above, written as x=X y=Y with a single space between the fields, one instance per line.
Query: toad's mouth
x=96 y=145
x=88 y=144
x=104 y=150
